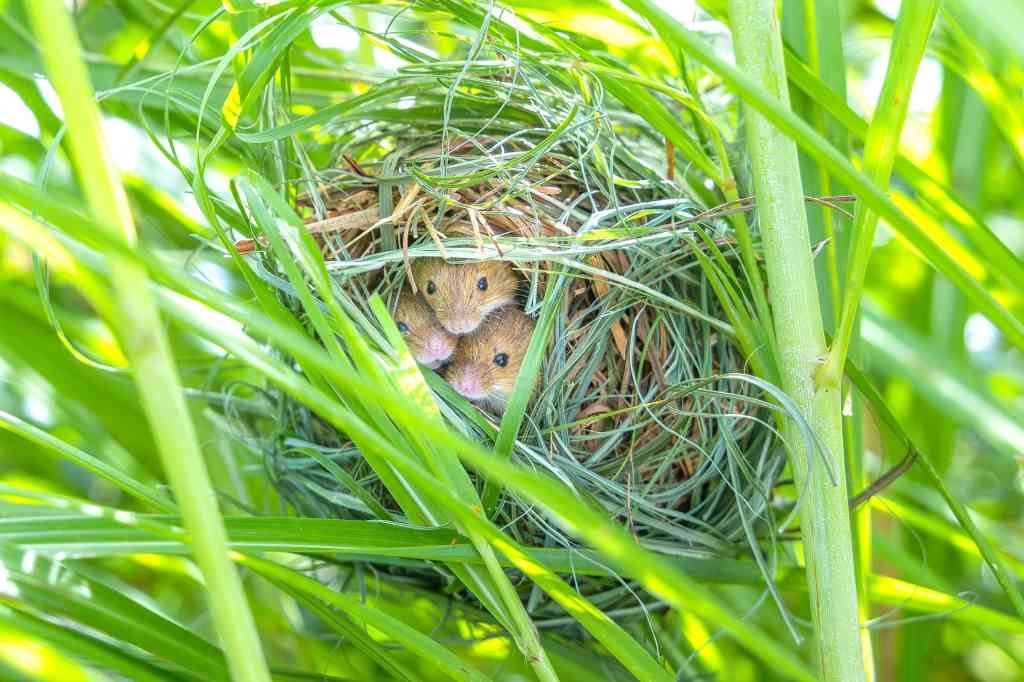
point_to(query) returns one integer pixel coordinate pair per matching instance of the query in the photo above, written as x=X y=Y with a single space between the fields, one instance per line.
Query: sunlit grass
x=550 y=571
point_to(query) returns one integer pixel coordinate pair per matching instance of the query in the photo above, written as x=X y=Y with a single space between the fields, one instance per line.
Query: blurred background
x=944 y=369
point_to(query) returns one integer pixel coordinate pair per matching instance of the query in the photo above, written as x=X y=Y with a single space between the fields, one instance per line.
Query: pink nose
x=469 y=386
x=436 y=350
x=460 y=325
x=440 y=347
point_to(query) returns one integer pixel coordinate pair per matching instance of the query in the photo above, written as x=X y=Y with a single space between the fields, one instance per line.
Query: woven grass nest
x=641 y=405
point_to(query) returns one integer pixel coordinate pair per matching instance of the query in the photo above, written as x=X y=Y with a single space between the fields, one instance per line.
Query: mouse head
x=462 y=296
x=429 y=342
x=486 y=363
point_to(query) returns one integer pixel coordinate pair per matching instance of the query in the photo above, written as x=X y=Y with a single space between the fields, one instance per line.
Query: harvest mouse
x=430 y=344
x=462 y=296
x=486 y=363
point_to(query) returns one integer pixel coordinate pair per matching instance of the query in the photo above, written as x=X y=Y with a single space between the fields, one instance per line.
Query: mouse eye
x=481 y=284
x=501 y=359
x=403 y=327
x=431 y=287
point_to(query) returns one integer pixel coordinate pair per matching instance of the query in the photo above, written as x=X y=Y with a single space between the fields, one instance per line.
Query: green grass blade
x=895 y=349
x=145 y=343
x=880 y=147
x=939 y=528
x=101 y=608
x=1004 y=576
x=80 y=646
x=137 y=489
x=411 y=639
x=526 y=382
x=1006 y=266
x=1004 y=19
x=799 y=330
x=91 y=536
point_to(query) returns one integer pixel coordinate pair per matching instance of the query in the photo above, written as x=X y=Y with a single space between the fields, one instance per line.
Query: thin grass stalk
x=1002 y=570
x=880 y=149
x=825 y=522
x=141 y=333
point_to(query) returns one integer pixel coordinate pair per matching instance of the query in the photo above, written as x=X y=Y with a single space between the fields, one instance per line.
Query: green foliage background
x=95 y=579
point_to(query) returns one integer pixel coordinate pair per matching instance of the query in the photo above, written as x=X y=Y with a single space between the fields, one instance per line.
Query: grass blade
x=881 y=144
x=146 y=345
x=69 y=452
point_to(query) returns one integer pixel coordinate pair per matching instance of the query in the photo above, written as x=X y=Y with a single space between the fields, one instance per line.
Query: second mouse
x=486 y=363
x=430 y=343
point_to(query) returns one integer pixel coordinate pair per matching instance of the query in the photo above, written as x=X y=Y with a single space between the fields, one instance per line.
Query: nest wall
x=643 y=405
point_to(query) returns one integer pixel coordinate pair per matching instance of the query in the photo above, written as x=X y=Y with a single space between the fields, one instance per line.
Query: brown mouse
x=463 y=295
x=486 y=363
x=429 y=342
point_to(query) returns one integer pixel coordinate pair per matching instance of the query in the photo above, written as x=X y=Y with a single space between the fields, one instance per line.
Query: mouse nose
x=468 y=385
x=462 y=322
x=438 y=348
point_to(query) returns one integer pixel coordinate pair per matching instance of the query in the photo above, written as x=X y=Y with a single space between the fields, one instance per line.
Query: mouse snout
x=461 y=321
x=468 y=384
x=437 y=348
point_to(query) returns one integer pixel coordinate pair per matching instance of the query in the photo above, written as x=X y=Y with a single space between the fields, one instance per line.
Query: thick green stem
x=825 y=521
x=880 y=149
x=141 y=333
x=812 y=29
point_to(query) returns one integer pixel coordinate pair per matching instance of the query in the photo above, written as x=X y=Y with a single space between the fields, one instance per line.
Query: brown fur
x=430 y=343
x=459 y=305
x=507 y=331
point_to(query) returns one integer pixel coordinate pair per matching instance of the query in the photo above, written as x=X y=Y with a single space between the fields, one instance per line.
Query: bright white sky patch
x=7 y=586
x=386 y=58
x=890 y=8
x=50 y=96
x=125 y=143
x=37 y=408
x=682 y=11
x=19 y=167
x=15 y=114
x=980 y=335
x=328 y=33
x=927 y=86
